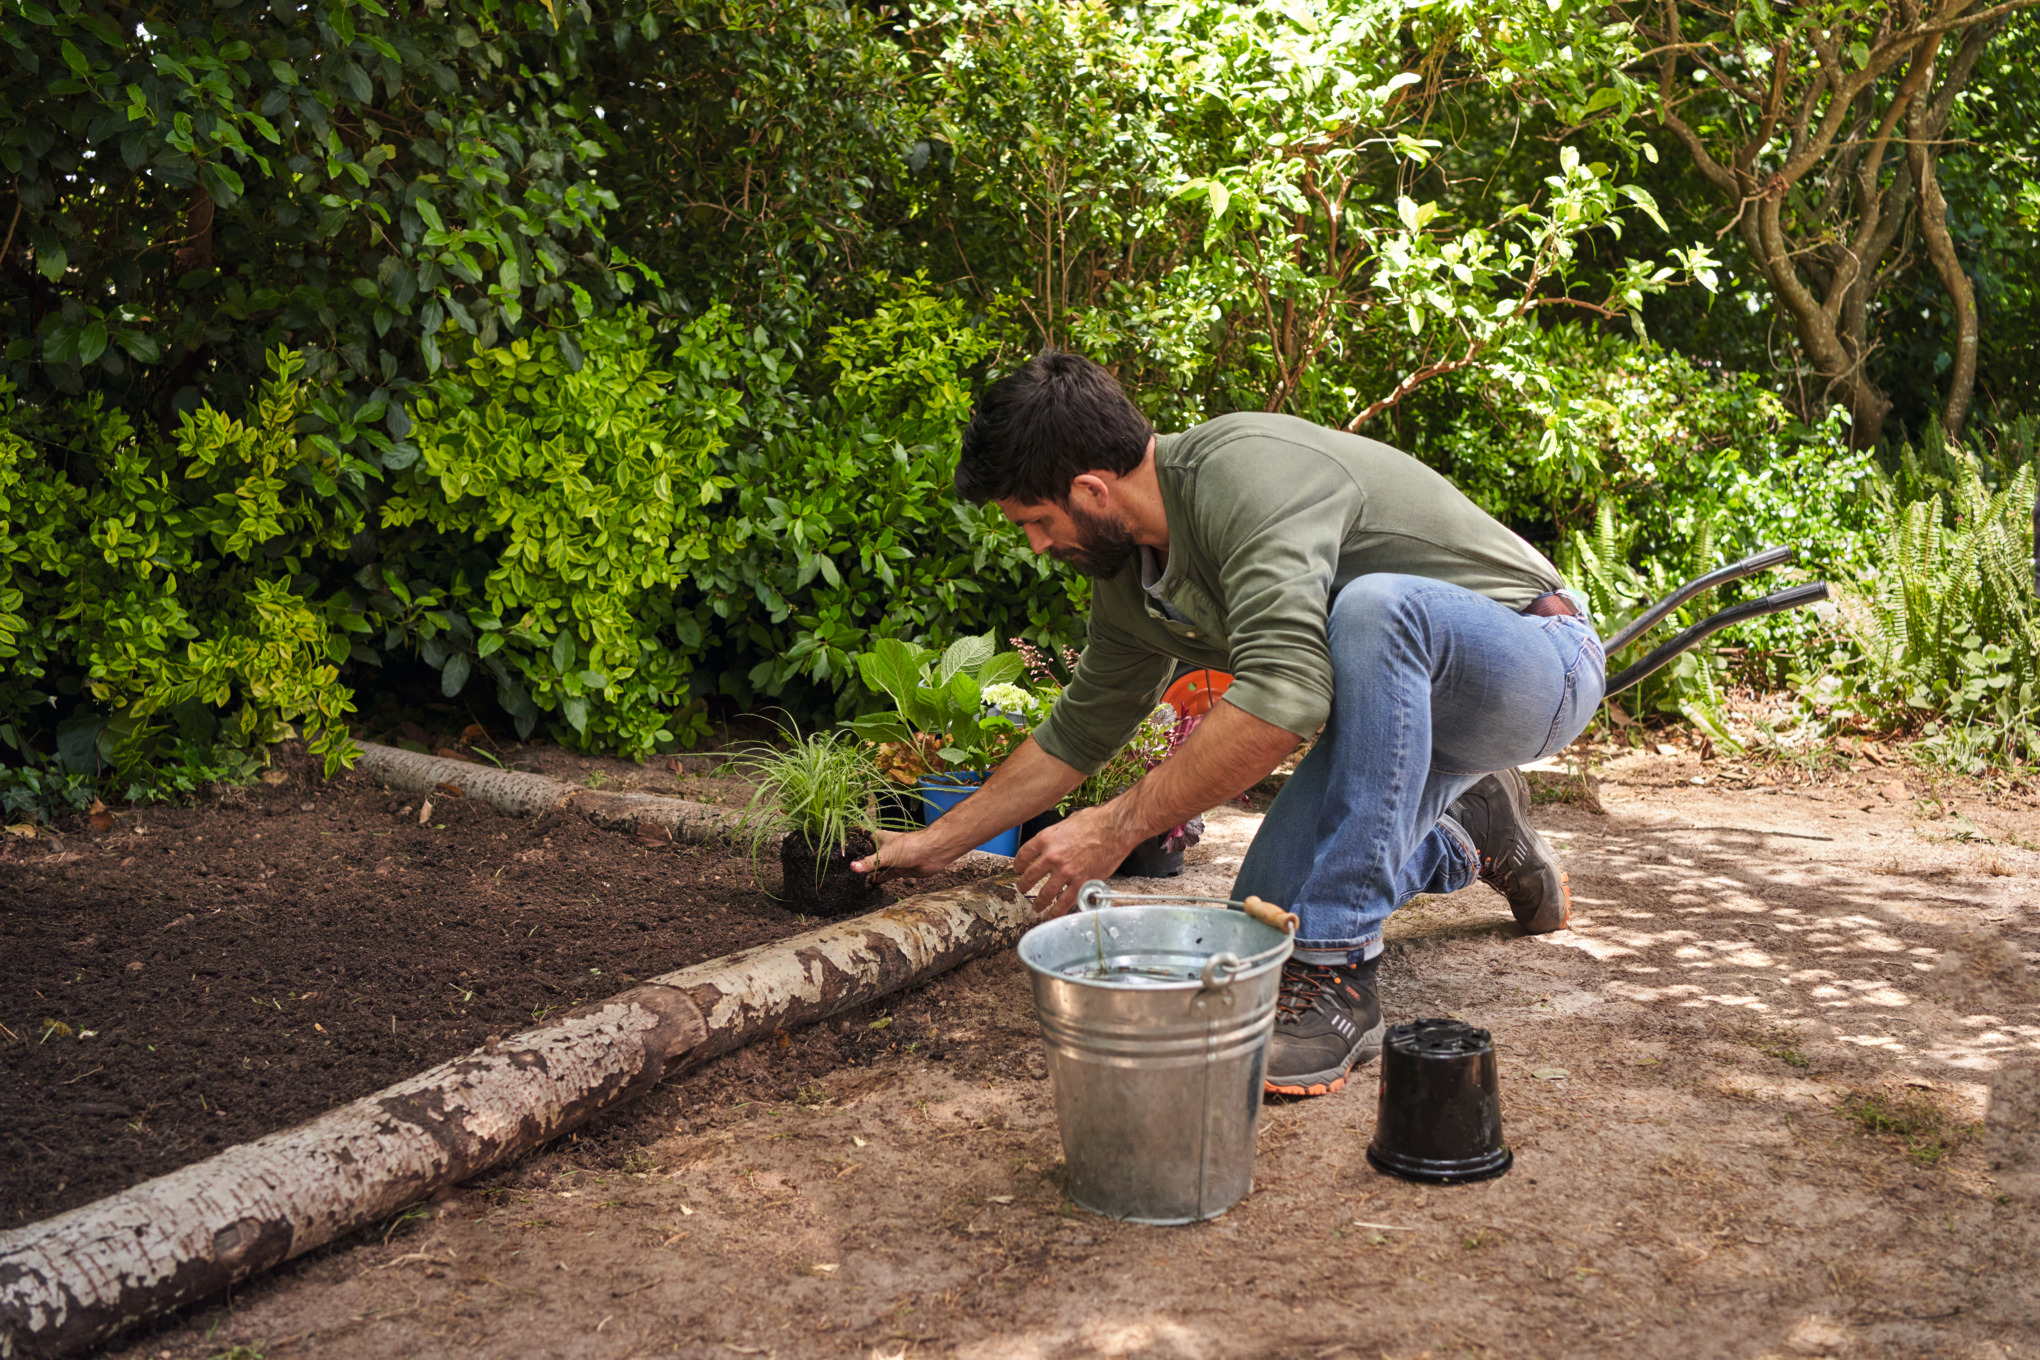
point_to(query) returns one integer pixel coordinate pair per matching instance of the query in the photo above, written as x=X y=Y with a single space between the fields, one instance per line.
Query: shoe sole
x=1331 y=1079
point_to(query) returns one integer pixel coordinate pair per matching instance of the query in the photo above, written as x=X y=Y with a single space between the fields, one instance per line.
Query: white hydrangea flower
x=1008 y=699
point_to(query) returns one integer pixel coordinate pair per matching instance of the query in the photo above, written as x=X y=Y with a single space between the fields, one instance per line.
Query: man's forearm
x=1230 y=752
x=1028 y=782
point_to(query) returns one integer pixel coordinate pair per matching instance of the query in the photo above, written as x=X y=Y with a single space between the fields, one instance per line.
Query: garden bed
x=186 y=979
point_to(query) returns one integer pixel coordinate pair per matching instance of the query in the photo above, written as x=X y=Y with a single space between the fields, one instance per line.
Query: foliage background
x=607 y=359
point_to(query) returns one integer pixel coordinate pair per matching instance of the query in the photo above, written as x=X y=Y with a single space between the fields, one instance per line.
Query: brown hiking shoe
x=1514 y=860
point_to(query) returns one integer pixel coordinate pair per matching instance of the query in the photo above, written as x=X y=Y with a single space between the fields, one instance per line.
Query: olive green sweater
x=1269 y=518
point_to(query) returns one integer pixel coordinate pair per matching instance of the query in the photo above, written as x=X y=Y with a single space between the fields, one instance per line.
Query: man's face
x=1097 y=545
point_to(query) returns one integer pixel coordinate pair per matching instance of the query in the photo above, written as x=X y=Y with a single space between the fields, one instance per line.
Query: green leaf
x=1641 y=197
x=965 y=693
x=881 y=727
x=454 y=675
x=91 y=341
x=141 y=348
x=50 y=256
x=964 y=654
x=1003 y=669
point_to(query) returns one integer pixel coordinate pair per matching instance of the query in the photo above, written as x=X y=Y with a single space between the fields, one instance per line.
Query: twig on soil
x=1381 y=1227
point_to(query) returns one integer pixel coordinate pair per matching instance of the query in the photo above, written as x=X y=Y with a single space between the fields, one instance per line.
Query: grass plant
x=821 y=787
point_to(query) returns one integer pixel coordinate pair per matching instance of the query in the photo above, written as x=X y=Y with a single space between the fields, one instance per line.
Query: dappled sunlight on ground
x=1775 y=1095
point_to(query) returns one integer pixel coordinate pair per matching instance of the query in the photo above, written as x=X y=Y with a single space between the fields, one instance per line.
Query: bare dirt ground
x=1776 y=1094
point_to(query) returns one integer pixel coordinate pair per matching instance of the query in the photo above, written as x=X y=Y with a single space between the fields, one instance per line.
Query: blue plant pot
x=941 y=792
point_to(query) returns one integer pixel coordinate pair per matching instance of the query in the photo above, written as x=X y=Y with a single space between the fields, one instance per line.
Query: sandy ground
x=1776 y=1093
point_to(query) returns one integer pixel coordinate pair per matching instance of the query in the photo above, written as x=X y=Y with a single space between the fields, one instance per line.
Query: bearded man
x=1356 y=596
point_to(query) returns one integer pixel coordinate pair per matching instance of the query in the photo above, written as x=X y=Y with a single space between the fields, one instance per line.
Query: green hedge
x=149 y=584
x=602 y=527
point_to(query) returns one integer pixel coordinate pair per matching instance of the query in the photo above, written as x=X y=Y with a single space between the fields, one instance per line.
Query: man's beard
x=1106 y=547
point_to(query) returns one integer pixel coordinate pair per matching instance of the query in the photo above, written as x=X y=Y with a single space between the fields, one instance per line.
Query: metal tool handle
x=1734 y=571
x=1776 y=602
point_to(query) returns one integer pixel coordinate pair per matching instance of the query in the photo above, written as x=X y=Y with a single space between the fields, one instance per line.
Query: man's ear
x=1093 y=491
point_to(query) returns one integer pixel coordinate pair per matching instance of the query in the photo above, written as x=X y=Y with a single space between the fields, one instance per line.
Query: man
x=1346 y=587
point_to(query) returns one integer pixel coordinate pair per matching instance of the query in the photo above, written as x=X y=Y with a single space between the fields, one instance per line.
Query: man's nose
x=1038 y=539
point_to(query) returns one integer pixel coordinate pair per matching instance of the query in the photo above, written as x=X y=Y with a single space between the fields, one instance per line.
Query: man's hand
x=1028 y=781
x=906 y=854
x=1088 y=844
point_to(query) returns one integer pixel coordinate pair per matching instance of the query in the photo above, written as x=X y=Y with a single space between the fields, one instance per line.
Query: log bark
x=72 y=1281
x=527 y=795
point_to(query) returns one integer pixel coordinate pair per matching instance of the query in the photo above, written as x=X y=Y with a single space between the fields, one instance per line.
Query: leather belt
x=1546 y=606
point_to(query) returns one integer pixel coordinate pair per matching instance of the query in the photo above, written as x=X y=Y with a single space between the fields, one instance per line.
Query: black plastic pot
x=899 y=811
x=1034 y=826
x=1146 y=861
x=1441 y=1105
x=1149 y=860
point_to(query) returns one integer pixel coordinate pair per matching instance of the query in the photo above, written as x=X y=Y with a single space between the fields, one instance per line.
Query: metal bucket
x=1156 y=1018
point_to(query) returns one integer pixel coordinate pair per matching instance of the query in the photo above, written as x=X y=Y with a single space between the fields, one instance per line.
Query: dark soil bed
x=192 y=978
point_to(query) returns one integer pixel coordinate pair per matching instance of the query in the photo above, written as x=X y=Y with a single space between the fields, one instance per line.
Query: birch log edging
x=525 y=794
x=71 y=1281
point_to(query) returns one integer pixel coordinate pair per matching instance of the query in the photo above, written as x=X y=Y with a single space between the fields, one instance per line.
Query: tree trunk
x=74 y=1280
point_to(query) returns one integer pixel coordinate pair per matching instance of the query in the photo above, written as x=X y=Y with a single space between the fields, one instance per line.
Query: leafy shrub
x=552 y=527
x=148 y=584
x=1676 y=470
x=594 y=537
x=339 y=177
x=843 y=528
x=942 y=695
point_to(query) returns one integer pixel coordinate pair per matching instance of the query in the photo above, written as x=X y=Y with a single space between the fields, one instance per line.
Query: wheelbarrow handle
x=1777 y=602
x=1734 y=571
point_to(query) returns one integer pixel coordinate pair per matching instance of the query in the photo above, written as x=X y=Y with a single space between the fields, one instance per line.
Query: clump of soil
x=817 y=884
x=196 y=977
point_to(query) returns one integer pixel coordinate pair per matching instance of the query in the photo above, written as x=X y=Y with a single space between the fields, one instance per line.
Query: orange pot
x=1193 y=695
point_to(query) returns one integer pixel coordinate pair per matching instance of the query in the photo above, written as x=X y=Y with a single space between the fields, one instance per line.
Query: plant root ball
x=831 y=888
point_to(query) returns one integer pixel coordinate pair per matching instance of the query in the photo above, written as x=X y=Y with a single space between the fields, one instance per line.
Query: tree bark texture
x=74 y=1280
x=530 y=794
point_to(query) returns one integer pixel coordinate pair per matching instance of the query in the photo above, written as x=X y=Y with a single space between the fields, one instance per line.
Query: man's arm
x=1025 y=783
x=1230 y=752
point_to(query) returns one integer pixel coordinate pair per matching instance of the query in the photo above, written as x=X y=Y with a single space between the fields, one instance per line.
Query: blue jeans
x=1433 y=686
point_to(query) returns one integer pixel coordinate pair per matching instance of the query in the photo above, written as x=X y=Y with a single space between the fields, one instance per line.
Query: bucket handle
x=1228 y=961
x=1096 y=895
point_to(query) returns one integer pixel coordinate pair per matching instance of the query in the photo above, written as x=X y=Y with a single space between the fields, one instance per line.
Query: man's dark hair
x=1049 y=421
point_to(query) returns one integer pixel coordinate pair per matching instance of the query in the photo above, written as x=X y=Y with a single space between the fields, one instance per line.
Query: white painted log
x=76 y=1279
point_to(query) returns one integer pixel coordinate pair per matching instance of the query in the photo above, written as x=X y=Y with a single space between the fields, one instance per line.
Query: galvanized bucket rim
x=1255 y=965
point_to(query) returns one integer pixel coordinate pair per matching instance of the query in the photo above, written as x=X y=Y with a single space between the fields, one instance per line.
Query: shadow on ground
x=1774 y=1095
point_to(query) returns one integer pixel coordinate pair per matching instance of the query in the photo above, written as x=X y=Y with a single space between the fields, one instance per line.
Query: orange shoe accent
x=1314 y=1089
x=1565 y=890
